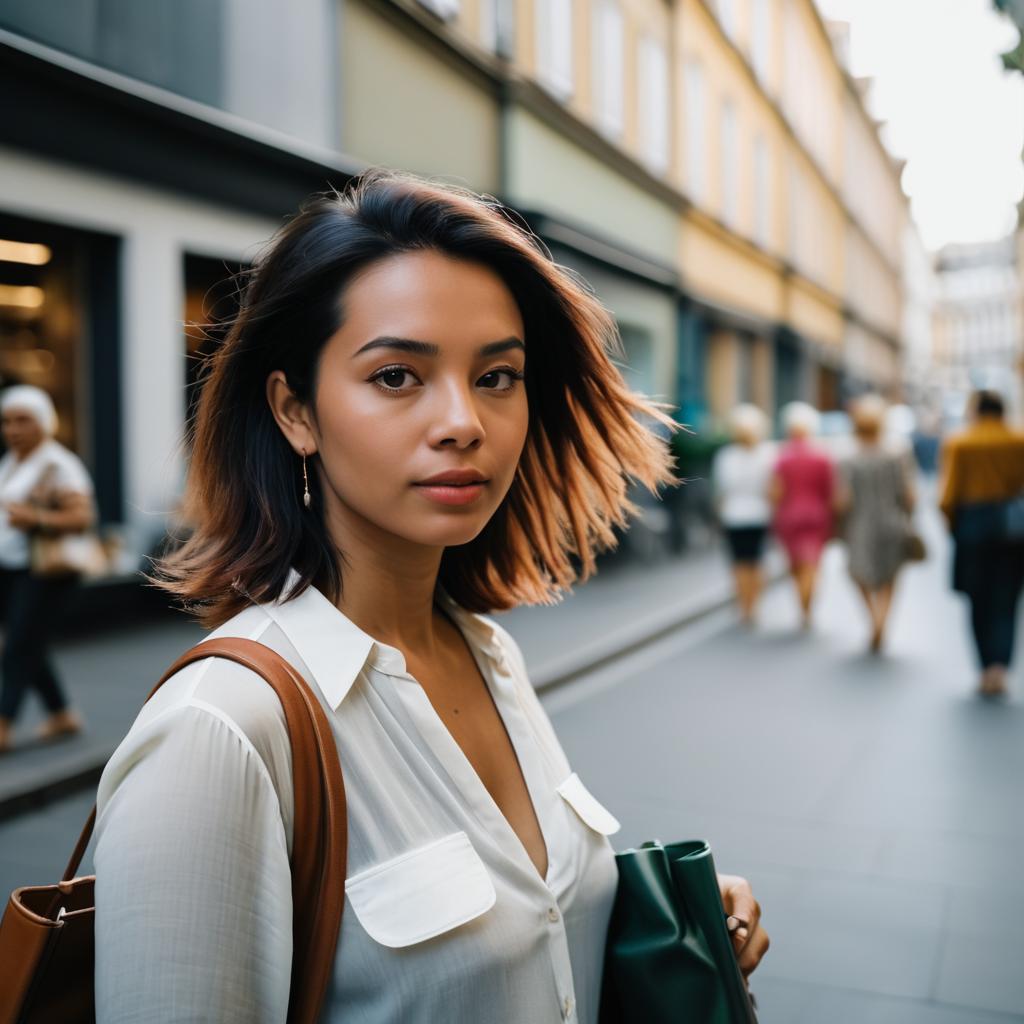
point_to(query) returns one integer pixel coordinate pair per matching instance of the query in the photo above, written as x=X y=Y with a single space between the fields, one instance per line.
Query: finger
x=754 y=951
x=739 y=932
x=737 y=896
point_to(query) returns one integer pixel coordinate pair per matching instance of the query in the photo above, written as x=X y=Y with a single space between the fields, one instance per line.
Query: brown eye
x=394 y=379
x=500 y=380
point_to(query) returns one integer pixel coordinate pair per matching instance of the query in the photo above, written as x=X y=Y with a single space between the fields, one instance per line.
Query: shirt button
x=553 y=915
x=567 y=1008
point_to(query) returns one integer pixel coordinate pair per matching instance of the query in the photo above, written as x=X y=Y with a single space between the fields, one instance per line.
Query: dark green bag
x=669 y=957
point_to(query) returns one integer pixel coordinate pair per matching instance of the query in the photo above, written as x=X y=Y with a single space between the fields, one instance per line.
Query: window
x=446 y=9
x=762 y=191
x=729 y=163
x=653 y=112
x=554 y=46
x=761 y=37
x=638 y=369
x=608 y=66
x=794 y=241
x=727 y=17
x=489 y=25
x=695 y=128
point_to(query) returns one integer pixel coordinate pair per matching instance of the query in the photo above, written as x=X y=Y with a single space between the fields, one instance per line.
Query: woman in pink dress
x=803 y=493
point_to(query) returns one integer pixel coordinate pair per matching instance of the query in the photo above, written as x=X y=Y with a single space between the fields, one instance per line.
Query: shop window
x=211 y=302
x=60 y=331
x=639 y=365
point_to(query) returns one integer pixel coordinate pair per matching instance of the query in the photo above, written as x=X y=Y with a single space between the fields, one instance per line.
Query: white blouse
x=446 y=917
x=742 y=480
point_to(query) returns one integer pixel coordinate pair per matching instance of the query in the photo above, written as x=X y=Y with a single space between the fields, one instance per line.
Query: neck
x=388 y=583
x=21 y=456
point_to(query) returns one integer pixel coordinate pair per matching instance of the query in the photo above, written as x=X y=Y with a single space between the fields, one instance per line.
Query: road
x=874 y=802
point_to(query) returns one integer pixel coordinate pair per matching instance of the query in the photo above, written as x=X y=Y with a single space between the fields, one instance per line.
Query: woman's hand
x=23 y=517
x=749 y=939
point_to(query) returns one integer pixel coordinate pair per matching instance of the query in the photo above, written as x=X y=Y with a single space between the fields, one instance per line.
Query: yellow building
x=791 y=246
x=708 y=166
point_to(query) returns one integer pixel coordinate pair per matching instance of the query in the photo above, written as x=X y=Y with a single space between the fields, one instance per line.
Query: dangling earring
x=307 y=498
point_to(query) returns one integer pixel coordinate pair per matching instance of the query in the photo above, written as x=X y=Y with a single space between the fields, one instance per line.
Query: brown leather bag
x=46 y=935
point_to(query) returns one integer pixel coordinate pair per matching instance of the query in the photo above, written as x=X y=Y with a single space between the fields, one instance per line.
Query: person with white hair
x=803 y=492
x=876 y=497
x=741 y=476
x=45 y=492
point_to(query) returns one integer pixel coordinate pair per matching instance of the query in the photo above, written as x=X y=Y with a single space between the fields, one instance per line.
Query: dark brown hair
x=588 y=434
x=988 y=403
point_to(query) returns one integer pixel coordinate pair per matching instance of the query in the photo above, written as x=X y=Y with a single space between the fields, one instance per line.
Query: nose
x=456 y=421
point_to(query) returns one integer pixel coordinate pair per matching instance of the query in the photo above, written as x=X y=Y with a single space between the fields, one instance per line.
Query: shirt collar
x=336 y=650
x=333 y=647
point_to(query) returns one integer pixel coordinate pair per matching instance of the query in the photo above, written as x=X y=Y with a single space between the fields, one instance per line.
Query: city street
x=872 y=801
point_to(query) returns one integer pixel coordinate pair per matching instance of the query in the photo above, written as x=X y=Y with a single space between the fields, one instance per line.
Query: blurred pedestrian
x=876 y=498
x=982 y=488
x=45 y=491
x=803 y=493
x=742 y=476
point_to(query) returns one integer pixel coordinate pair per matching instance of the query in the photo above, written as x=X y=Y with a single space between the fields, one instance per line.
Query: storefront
x=130 y=210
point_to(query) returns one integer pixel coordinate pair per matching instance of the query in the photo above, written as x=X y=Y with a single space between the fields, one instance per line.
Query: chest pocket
x=423 y=893
x=590 y=811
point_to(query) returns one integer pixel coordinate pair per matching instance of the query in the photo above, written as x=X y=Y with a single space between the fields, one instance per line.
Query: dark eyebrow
x=505 y=345
x=428 y=348
x=419 y=348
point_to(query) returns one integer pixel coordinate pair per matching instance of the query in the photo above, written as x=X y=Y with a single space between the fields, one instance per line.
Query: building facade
x=706 y=165
x=979 y=319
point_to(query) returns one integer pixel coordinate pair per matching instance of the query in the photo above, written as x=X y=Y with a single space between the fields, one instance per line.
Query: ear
x=292 y=416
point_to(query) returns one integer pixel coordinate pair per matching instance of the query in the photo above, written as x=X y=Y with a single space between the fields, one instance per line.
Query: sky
x=950 y=109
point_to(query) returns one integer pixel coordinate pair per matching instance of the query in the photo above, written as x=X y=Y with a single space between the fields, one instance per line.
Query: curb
x=83 y=771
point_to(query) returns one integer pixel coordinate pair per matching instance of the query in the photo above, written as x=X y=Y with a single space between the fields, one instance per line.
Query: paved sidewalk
x=109 y=672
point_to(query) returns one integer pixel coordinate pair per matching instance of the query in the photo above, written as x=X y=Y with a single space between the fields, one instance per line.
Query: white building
x=979 y=323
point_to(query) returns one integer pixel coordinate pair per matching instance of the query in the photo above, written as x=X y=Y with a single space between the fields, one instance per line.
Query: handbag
x=46 y=935
x=64 y=553
x=67 y=554
x=914 y=548
x=669 y=957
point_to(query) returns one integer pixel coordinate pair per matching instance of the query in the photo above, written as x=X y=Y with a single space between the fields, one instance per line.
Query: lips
x=454 y=478
x=455 y=487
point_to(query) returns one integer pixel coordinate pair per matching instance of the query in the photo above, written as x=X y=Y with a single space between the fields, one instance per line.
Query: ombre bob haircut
x=588 y=437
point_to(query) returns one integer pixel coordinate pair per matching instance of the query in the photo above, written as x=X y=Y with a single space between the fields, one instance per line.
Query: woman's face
x=22 y=432
x=421 y=410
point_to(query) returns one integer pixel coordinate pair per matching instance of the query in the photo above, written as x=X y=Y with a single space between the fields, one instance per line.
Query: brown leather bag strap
x=320 y=834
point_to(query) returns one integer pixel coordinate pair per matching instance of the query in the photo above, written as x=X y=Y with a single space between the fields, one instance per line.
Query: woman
x=983 y=471
x=413 y=419
x=877 y=499
x=44 y=488
x=742 y=474
x=803 y=496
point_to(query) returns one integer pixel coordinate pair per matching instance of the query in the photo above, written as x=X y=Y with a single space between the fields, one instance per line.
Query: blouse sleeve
x=193 y=886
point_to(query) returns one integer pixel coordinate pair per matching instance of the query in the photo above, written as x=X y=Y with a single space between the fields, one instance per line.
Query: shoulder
x=218 y=711
x=70 y=469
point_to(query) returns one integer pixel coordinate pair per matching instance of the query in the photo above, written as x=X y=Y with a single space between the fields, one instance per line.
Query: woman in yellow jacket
x=983 y=473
